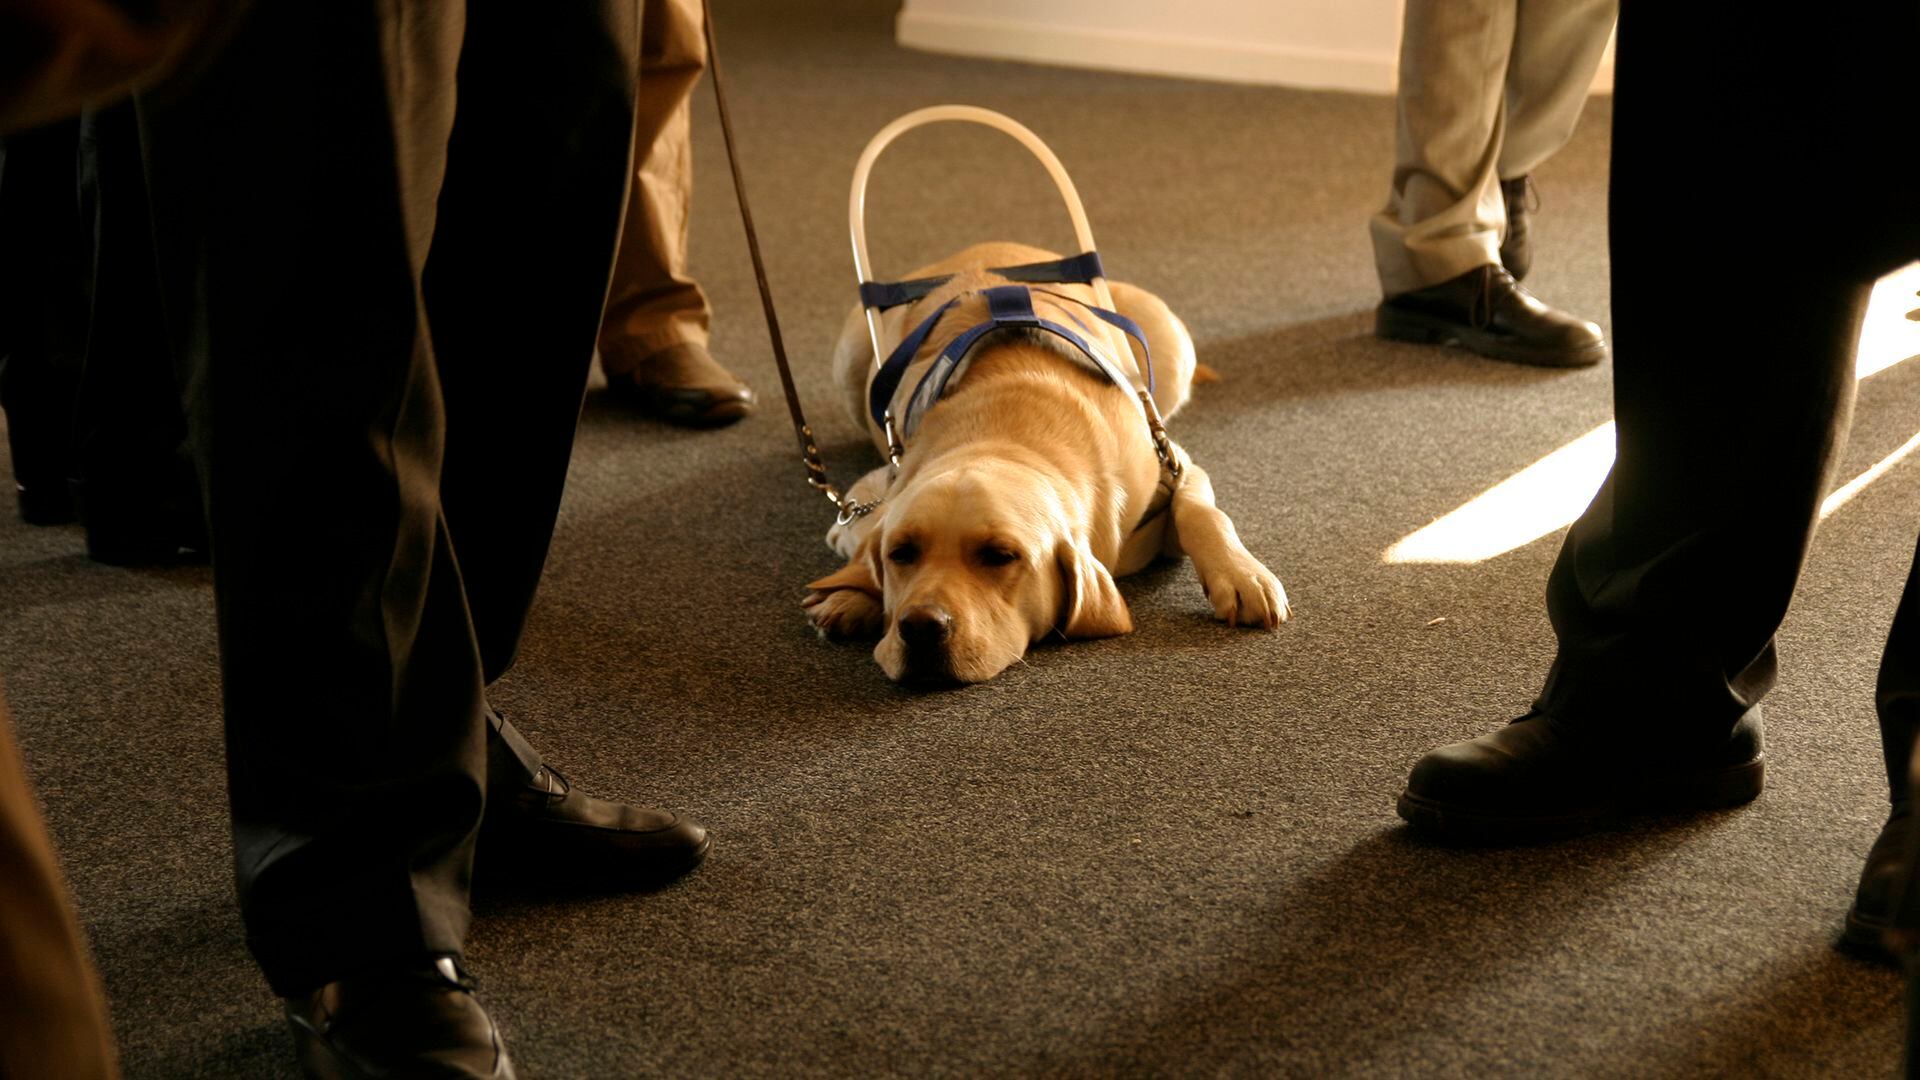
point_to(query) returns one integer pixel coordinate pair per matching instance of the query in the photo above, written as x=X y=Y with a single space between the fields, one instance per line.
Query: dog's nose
x=925 y=626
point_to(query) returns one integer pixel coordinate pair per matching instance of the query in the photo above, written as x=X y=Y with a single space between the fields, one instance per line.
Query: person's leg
x=294 y=189
x=1668 y=590
x=1557 y=46
x=1443 y=217
x=653 y=338
x=1436 y=243
x=1897 y=700
x=42 y=313
x=514 y=290
x=134 y=483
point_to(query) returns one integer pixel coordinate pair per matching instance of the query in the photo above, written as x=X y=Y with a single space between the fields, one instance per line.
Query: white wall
x=1318 y=44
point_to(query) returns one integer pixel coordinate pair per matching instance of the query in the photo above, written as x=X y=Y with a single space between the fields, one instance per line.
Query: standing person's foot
x=45 y=503
x=685 y=385
x=1871 y=916
x=1485 y=311
x=547 y=832
x=1516 y=248
x=418 y=1020
x=1542 y=777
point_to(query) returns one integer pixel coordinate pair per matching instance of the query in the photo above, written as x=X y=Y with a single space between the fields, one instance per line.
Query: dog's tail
x=1203 y=374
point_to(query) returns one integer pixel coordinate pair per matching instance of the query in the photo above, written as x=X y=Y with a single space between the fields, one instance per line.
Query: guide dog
x=1029 y=480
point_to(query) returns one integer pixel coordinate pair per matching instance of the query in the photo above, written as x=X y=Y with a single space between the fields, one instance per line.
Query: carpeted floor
x=1173 y=853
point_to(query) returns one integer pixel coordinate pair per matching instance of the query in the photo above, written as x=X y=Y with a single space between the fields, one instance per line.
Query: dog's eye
x=998 y=556
x=904 y=554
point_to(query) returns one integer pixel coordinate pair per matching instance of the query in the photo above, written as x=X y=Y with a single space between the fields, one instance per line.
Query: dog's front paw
x=1245 y=593
x=845 y=613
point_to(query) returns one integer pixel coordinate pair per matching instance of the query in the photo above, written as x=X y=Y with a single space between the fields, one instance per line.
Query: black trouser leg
x=528 y=220
x=42 y=312
x=1897 y=693
x=1732 y=384
x=289 y=188
x=307 y=170
x=134 y=478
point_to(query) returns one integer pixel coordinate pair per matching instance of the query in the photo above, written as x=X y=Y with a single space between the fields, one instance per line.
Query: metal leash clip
x=849 y=509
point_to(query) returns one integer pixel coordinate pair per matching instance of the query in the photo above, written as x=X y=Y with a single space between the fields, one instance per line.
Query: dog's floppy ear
x=1090 y=605
x=862 y=572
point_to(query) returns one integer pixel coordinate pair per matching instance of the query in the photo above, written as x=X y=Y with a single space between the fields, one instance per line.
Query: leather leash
x=849 y=509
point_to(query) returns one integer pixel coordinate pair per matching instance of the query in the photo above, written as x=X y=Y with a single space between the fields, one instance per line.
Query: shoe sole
x=320 y=1061
x=1394 y=325
x=713 y=416
x=1715 y=790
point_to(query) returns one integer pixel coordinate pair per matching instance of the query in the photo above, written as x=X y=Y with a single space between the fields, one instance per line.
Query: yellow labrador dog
x=1031 y=485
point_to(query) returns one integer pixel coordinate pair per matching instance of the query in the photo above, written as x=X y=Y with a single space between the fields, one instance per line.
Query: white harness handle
x=857 y=199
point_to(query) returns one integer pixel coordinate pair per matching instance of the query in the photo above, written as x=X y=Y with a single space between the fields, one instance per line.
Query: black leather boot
x=1516 y=248
x=1485 y=311
x=1542 y=777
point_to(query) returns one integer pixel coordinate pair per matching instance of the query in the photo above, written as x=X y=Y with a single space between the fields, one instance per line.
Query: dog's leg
x=848 y=603
x=1243 y=591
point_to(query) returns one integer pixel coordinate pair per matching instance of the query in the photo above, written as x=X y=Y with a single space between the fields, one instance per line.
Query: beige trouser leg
x=652 y=303
x=53 y=1018
x=1489 y=89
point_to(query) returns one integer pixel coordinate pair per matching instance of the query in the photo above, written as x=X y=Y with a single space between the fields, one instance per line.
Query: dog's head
x=975 y=564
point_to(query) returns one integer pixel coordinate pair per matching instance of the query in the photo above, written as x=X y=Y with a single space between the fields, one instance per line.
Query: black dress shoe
x=547 y=832
x=1484 y=310
x=45 y=503
x=684 y=385
x=1541 y=777
x=157 y=525
x=1871 y=916
x=1516 y=248
x=417 y=1021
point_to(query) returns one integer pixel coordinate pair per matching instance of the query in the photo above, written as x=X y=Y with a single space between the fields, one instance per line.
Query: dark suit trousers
x=385 y=231
x=1758 y=189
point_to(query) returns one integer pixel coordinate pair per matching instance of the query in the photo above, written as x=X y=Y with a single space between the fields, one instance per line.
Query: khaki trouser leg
x=1476 y=75
x=653 y=304
x=1555 y=54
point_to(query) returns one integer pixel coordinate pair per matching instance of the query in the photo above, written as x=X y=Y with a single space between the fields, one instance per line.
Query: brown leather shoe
x=414 y=1020
x=685 y=385
x=1484 y=310
x=549 y=833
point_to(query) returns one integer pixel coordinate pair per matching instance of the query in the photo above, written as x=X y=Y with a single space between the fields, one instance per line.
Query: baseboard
x=1217 y=59
x=1121 y=50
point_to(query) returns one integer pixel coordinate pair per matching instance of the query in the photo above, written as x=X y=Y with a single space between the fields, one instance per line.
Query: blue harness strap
x=1008 y=307
x=1072 y=270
